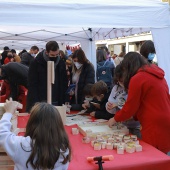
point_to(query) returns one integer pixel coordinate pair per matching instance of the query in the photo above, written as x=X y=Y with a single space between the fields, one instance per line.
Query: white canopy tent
x=24 y=23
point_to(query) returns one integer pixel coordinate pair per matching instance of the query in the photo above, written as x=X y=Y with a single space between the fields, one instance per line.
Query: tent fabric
x=161 y=39
x=34 y=22
x=67 y=21
x=84 y=13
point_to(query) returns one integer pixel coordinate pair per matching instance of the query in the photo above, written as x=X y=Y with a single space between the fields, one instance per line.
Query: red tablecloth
x=149 y=159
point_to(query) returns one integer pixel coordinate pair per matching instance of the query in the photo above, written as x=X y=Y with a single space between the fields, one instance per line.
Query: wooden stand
x=5 y=161
x=50 y=81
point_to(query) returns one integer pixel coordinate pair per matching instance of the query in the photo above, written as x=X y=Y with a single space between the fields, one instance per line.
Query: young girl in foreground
x=45 y=144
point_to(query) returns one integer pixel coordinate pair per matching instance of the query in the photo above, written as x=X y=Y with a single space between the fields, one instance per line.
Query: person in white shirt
x=119 y=58
x=45 y=144
x=118 y=98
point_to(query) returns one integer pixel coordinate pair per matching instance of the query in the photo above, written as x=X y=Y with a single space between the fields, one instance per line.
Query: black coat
x=37 y=82
x=26 y=59
x=101 y=113
x=17 y=74
x=87 y=76
x=3 y=55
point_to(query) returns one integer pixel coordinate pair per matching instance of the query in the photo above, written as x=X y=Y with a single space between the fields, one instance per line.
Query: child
x=88 y=96
x=45 y=144
x=100 y=93
x=118 y=98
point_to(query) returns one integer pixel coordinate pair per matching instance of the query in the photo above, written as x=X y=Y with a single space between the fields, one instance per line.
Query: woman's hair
x=61 y=53
x=130 y=65
x=99 y=88
x=87 y=89
x=118 y=74
x=46 y=130
x=80 y=55
x=100 y=54
x=146 y=48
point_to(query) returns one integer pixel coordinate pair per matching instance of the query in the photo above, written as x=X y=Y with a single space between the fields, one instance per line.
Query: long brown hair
x=131 y=63
x=48 y=135
x=80 y=55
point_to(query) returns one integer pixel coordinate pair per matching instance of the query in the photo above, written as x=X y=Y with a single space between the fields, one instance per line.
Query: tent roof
x=34 y=22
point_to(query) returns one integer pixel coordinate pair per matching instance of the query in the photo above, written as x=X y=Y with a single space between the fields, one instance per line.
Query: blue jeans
x=168 y=153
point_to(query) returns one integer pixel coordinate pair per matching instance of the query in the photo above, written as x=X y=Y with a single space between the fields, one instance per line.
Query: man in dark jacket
x=16 y=74
x=37 y=78
x=4 y=54
x=28 y=57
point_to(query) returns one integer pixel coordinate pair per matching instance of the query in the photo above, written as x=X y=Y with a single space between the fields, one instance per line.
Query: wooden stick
x=50 y=79
x=52 y=73
x=49 y=82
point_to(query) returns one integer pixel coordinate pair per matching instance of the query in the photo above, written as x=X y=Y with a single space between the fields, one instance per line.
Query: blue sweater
x=12 y=145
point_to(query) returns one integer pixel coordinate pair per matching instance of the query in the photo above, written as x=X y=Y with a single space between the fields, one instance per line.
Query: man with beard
x=37 y=77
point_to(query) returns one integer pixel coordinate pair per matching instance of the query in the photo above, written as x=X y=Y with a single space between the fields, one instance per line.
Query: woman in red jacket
x=148 y=100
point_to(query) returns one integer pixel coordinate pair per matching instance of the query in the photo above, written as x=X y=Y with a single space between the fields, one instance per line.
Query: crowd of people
x=129 y=89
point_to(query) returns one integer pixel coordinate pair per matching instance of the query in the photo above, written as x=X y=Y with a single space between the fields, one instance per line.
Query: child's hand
x=92 y=114
x=85 y=105
x=10 y=106
x=111 y=122
x=110 y=106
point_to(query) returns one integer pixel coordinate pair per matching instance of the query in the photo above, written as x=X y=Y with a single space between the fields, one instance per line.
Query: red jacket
x=6 y=90
x=149 y=101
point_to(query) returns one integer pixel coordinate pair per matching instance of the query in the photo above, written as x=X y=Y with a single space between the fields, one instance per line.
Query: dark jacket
x=26 y=59
x=16 y=74
x=3 y=55
x=101 y=113
x=37 y=86
x=87 y=75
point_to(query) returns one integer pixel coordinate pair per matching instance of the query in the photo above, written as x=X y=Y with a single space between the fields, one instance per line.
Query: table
x=149 y=159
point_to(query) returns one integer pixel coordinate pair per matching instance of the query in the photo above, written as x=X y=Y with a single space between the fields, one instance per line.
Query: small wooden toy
x=97 y=146
x=133 y=137
x=109 y=146
x=92 y=136
x=115 y=144
x=104 y=145
x=86 y=139
x=138 y=148
x=75 y=131
x=120 y=149
x=130 y=149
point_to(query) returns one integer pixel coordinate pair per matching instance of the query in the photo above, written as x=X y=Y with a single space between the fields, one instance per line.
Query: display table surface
x=149 y=159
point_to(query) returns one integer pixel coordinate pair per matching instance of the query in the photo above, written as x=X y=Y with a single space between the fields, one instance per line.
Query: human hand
x=85 y=105
x=110 y=106
x=92 y=114
x=111 y=122
x=71 y=92
x=11 y=106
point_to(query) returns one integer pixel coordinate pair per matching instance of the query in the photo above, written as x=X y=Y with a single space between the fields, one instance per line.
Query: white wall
x=117 y=49
x=132 y=48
